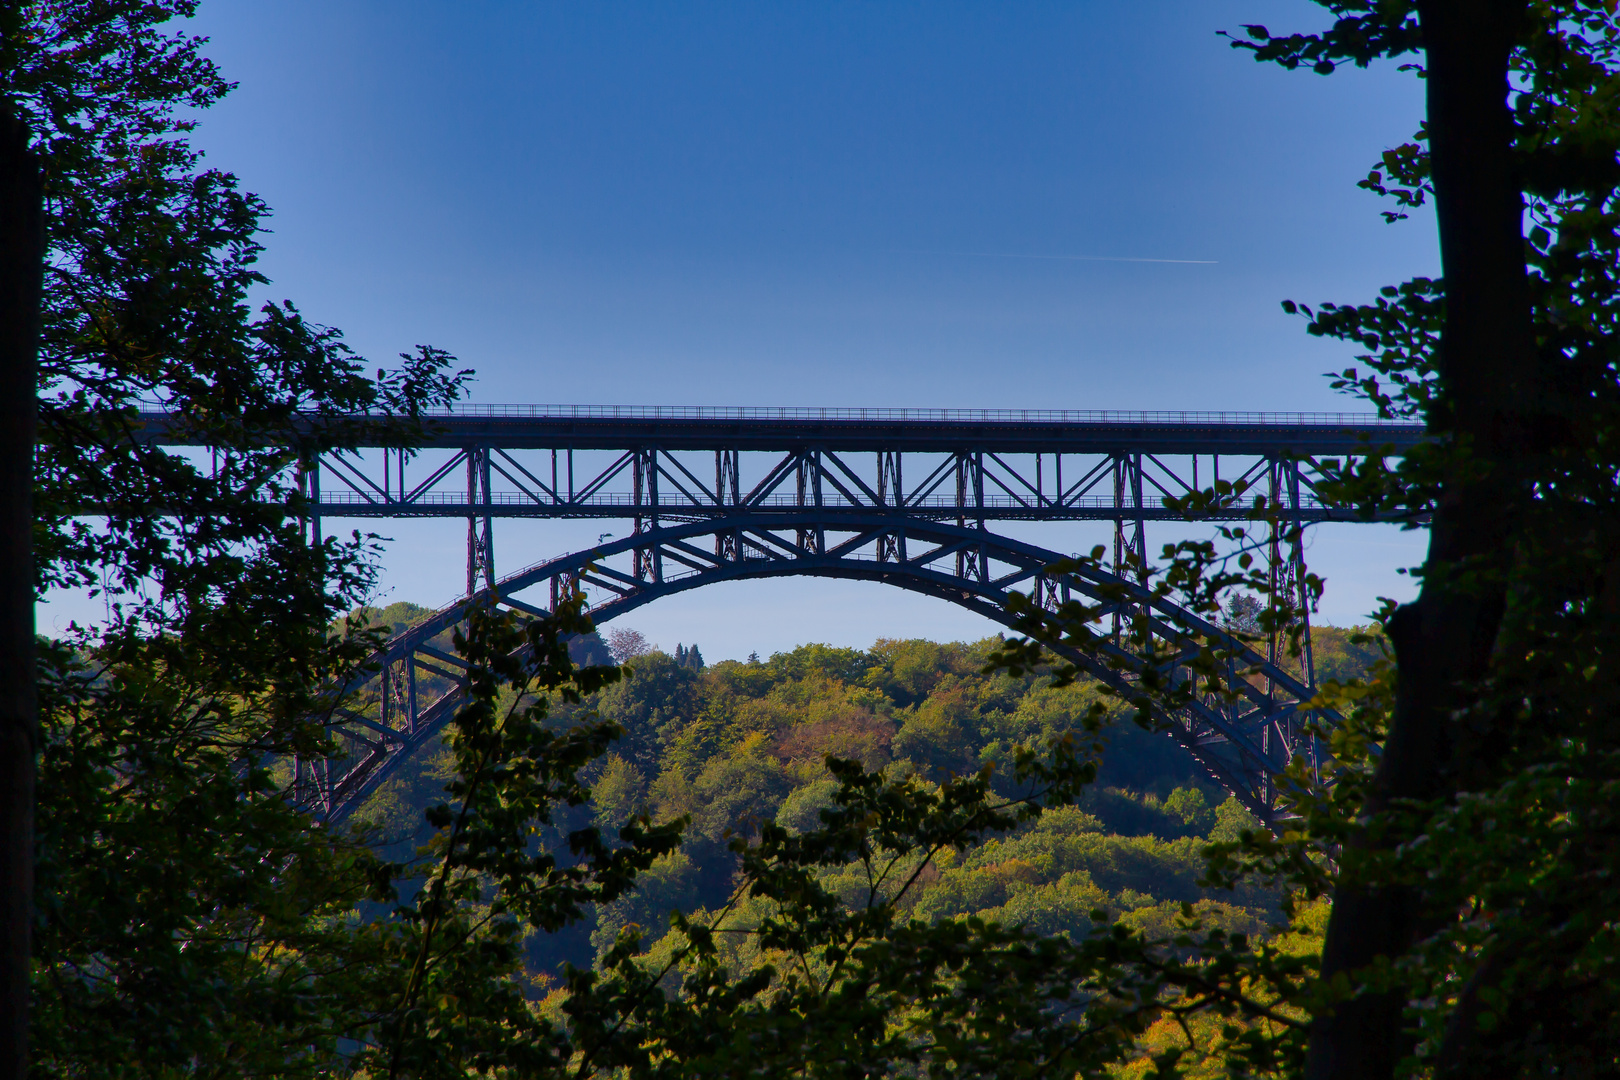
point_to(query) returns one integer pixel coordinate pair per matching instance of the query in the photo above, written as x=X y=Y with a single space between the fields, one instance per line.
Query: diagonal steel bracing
x=902 y=497
x=1240 y=748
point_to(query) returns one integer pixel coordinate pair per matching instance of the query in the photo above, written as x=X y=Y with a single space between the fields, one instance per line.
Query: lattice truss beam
x=650 y=486
x=972 y=483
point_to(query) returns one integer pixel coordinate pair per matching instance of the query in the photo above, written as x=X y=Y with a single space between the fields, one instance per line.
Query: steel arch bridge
x=899 y=497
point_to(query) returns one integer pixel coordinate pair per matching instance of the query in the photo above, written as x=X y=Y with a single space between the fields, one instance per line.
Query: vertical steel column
x=652 y=520
x=641 y=569
x=1128 y=497
x=898 y=460
x=885 y=542
x=323 y=784
x=978 y=502
x=394 y=673
x=1119 y=521
x=648 y=563
x=1290 y=585
x=1276 y=579
x=1307 y=657
x=727 y=493
x=385 y=699
x=1141 y=520
x=1289 y=593
x=719 y=502
x=815 y=484
x=410 y=694
x=802 y=485
x=489 y=519
x=301 y=482
x=738 y=551
x=472 y=521
x=964 y=558
x=1119 y=536
x=970 y=481
x=315 y=500
x=890 y=544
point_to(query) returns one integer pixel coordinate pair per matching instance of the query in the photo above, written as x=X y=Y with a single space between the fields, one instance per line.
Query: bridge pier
x=480 y=528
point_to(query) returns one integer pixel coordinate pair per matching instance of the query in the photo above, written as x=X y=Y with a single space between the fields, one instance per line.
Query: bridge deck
x=654 y=462
x=1050 y=431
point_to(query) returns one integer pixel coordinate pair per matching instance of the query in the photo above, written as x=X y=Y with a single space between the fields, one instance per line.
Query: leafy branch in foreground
x=458 y=1002
x=851 y=984
x=189 y=916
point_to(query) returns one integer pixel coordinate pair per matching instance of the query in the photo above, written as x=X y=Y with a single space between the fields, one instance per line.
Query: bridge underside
x=1242 y=747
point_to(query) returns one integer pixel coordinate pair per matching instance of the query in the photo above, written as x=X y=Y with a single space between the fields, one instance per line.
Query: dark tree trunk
x=1487 y=365
x=21 y=252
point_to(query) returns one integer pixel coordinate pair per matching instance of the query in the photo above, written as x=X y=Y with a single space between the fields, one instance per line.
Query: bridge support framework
x=902 y=497
x=1239 y=747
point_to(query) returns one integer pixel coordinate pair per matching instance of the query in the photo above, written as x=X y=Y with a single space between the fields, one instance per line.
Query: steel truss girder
x=976 y=482
x=1242 y=748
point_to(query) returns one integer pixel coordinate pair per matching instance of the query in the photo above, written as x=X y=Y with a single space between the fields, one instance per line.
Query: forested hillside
x=734 y=744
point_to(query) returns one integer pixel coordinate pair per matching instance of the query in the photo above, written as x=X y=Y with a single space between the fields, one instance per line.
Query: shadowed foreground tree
x=168 y=862
x=1475 y=853
x=21 y=266
x=193 y=917
x=1503 y=670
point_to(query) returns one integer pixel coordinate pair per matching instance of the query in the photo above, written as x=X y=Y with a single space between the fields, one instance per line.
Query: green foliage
x=648 y=706
x=1345 y=654
x=1231 y=822
x=1511 y=972
x=184 y=913
x=825 y=960
x=458 y=940
x=190 y=916
x=1498 y=984
x=801 y=810
x=745 y=748
x=909 y=860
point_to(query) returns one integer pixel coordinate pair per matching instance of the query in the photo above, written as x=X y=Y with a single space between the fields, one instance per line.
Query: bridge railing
x=667 y=505
x=944 y=416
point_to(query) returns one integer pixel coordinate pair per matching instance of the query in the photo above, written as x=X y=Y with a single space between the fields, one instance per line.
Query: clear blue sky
x=823 y=204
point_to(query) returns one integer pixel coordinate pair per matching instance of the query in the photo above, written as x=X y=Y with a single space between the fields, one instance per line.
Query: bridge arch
x=1242 y=749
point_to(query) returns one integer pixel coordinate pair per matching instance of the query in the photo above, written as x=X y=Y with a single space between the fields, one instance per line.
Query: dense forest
x=737 y=743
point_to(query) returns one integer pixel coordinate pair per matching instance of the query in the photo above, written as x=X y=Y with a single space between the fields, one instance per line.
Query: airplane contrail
x=1062 y=258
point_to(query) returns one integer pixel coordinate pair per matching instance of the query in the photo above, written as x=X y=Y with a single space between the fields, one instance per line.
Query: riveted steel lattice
x=906 y=498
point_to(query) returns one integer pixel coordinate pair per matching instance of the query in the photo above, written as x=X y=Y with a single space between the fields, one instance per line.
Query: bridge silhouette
x=902 y=497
